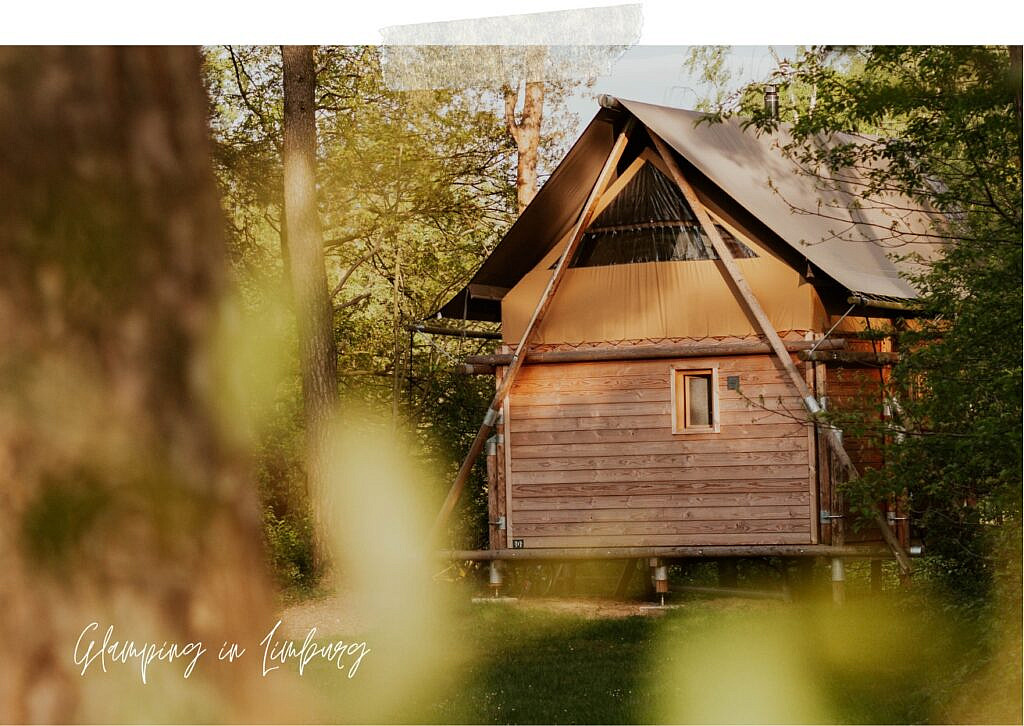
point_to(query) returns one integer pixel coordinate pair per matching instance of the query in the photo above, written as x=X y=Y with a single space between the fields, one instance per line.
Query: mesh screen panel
x=649 y=221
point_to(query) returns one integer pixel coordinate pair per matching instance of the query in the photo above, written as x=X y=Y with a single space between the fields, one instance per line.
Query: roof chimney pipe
x=771 y=101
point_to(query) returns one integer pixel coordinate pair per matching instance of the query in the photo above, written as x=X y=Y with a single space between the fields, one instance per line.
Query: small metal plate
x=733 y=383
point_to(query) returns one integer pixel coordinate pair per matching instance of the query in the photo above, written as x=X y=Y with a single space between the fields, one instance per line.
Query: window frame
x=678 y=373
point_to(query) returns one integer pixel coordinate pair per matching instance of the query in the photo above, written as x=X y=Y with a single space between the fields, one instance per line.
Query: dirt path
x=594 y=608
x=333 y=614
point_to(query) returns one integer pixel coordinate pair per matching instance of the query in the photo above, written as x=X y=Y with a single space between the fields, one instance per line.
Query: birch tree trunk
x=120 y=500
x=318 y=357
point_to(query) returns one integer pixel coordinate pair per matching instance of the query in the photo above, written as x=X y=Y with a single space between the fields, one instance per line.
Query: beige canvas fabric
x=852 y=241
x=653 y=300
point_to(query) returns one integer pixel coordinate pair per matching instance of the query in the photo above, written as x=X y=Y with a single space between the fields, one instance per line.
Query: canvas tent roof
x=851 y=244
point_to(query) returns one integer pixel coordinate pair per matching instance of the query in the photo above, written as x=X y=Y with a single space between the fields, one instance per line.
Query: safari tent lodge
x=658 y=388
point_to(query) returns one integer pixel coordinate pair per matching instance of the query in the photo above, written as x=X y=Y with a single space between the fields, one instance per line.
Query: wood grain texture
x=584 y=489
x=672 y=446
x=723 y=526
x=668 y=540
x=766 y=391
x=661 y=514
x=504 y=465
x=608 y=436
x=709 y=460
x=812 y=465
x=593 y=457
x=703 y=499
x=825 y=496
x=586 y=381
x=859 y=391
x=493 y=498
x=751 y=404
x=588 y=423
x=671 y=474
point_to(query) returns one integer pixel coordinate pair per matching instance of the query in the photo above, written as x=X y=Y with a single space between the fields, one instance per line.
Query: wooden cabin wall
x=590 y=458
x=858 y=389
x=496 y=469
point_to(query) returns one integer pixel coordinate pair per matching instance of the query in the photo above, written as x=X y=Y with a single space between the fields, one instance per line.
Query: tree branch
x=352 y=268
x=239 y=72
x=354 y=301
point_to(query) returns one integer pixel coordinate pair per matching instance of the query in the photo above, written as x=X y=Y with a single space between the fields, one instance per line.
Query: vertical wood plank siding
x=858 y=390
x=593 y=461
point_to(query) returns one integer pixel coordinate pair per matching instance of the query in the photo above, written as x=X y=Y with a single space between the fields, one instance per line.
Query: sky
x=656 y=74
x=650 y=70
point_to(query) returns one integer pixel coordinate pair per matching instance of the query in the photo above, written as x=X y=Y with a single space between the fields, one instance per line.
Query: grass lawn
x=707 y=661
x=552 y=668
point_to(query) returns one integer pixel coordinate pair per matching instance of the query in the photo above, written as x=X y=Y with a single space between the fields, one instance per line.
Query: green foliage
x=289 y=542
x=941 y=125
x=415 y=189
x=280 y=475
x=447 y=409
x=520 y=664
x=709 y=62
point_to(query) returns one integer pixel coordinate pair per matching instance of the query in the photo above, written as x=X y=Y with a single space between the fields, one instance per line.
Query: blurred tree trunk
x=318 y=356
x=120 y=501
x=526 y=131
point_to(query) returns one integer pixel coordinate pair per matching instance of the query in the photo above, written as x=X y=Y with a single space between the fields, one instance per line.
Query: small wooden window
x=694 y=400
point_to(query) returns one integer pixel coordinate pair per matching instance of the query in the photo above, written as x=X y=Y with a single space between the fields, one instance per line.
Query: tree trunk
x=526 y=131
x=318 y=356
x=120 y=500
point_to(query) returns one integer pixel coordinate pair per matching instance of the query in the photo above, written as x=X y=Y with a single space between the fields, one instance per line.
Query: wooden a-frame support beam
x=519 y=356
x=746 y=296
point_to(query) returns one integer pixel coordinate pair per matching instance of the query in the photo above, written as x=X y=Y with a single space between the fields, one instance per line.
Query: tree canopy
x=415 y=187
x=941 y=125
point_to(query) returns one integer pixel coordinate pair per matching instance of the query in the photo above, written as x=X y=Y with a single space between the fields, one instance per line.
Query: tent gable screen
x=649 y=221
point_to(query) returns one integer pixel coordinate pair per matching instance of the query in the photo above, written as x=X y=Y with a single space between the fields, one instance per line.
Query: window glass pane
x=698 y=400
